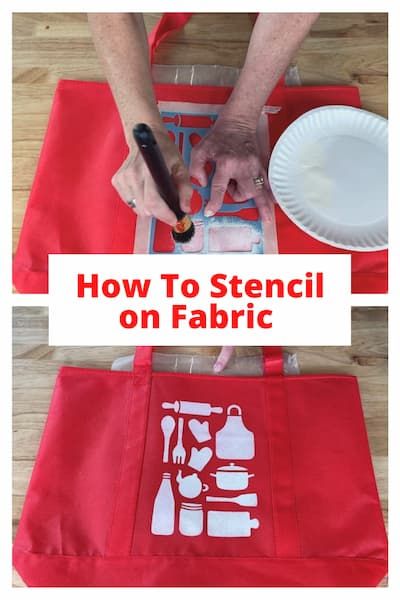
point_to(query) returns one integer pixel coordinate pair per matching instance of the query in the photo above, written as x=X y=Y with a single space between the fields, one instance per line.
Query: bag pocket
x=205 y=479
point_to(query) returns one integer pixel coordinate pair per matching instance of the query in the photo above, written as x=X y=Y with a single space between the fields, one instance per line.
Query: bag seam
x=290 y=447
x=268 y=429
x=118 y=484
x=190 y=557
x=150 y=384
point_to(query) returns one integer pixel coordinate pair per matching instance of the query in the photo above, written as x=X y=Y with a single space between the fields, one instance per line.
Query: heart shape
x=199 y=458
x=200 y=431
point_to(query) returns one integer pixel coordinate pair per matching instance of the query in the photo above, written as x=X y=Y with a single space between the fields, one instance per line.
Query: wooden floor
x=342 y=48
x=36 y=365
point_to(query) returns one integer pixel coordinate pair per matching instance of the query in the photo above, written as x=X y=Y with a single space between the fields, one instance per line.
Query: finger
x=247 y=187
x=156 y=206
x=264 y=199
x=223 y=358
x=263 y=205
x=197 y=167
x=219 y=186
x=182 y=181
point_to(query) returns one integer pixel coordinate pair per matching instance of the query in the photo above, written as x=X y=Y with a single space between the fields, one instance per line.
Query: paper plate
x=328 y=173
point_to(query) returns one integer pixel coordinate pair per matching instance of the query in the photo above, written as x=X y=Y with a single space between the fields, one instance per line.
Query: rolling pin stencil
x=192 y=408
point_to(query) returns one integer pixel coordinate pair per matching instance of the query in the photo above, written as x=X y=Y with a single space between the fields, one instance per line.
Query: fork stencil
x=179 y=452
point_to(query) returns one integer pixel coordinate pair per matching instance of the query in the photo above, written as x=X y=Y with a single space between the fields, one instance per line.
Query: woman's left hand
x=239 y=163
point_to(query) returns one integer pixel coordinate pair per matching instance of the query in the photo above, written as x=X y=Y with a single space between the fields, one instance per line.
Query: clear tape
x=217 y=75
x=203 y=364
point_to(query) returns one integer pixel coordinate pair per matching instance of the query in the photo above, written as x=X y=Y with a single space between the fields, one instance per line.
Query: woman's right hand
x=136 y=187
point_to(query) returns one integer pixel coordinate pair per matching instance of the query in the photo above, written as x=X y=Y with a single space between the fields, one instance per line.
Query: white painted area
x=232 y=477
x=167 y=427
x=200 y=430
x=191 y=485
x=200 y=458
x=163 y=519
x=224 y=523
x=234 y=440
x=191 y=519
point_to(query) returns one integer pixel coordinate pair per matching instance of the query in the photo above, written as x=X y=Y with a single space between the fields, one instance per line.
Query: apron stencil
x=172 y=513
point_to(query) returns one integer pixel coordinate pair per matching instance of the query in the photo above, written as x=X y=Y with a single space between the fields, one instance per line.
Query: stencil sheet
x=235 y=228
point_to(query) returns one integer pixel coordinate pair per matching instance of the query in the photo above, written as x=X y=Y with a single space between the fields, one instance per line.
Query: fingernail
x=208 y=213
x=217 y=368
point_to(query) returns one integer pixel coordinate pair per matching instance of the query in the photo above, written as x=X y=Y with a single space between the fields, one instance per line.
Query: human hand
x=234 y=149
x=136 y=187
x=223 y=358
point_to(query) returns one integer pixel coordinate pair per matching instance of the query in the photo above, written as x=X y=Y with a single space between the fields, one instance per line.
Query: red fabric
x=87 y=513
x=169 y=22
x=73 y=207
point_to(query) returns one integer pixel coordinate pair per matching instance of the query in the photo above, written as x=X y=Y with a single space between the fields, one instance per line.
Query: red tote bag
x=73 y=207
x=107 y=507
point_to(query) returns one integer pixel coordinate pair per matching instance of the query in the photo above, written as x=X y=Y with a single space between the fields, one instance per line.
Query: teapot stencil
x=191 y=485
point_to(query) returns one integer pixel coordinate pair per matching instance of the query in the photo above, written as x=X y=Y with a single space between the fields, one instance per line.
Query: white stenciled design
x=190 y=486
x=199 y=458
x=191 y=519
x=232 y=477
x=163 y=519
x=224 y=523
x=201 y=431
x=241 y=500
x=232 y=238
x=234 y=440
x=167 y=427
x=179 y=452
x=192 y=408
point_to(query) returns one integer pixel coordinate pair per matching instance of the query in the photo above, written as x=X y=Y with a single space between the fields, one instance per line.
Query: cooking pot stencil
x=232 y=477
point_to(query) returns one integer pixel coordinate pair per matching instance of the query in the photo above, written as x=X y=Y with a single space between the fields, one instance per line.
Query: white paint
x=200 y=430
x=191 y=519
x=241 y=500
x=192 y=408
x=232 y=477
x=224 y=523
x=163 y=518
x=190 y=486
x=234 y=440
x=179 y=452
x=199 y=458
x=167 y=427
x=232 y=238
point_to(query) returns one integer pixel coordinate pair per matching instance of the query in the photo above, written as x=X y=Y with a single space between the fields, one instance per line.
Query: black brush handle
x=155 y=162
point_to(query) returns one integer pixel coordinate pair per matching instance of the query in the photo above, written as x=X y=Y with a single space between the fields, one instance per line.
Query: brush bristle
x=184 y=236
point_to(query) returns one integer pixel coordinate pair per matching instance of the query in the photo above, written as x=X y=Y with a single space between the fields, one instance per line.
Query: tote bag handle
x=272 y=358
x=170 y=22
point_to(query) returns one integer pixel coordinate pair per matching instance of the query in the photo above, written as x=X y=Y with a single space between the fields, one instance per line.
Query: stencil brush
x=183 y=231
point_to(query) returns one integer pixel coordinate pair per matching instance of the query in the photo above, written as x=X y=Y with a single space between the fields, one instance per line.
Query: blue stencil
x=211 y=227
